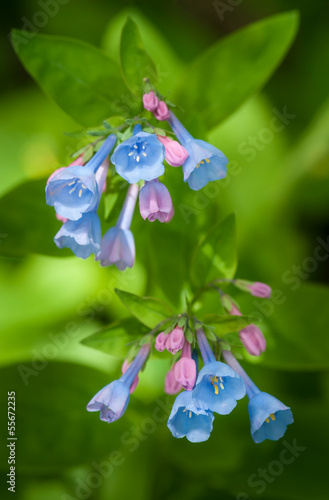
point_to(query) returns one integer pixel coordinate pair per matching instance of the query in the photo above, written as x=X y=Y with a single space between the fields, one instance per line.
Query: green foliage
x=135 y=62
x=229 y=72
x=147 y=310
x=216 y=255
x=228 y=324
x=82 y=79
x=115 y=338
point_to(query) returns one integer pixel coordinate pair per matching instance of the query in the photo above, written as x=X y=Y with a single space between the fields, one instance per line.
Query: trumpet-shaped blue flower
x=204 y=164
x=187 y=420
x=218 y=387
x=117 y=245
x=113 y=399
x=73 y=190
x=269 y=417
x=140 y=157
x=82 y=236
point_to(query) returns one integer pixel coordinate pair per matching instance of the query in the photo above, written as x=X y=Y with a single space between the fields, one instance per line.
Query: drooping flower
x=118 y=245
x=150 y=101
x=140 y=157
x=185 y=368
x=251 y=336
x=172 y=386
x=160 y=341
x=113 y=399
x=175 y=153
x=253 y=340
x=269 y=417
x=188 y=420
x=124 y=368
x=218 y=387
x=161 y=112
x=175 y=340
x=155 y=201
x=73 y=190
x=83 y=236
x=204 y=164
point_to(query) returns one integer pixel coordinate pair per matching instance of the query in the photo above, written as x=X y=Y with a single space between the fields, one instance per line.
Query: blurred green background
x=279 y=192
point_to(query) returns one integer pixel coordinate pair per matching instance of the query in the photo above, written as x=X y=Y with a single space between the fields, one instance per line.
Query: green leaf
x=216 y=255
x=229 y=324
x=148 y=310
x=81 y=79
x=114 y=339
x=136 y=64
x=236 y=67
x=29 y=224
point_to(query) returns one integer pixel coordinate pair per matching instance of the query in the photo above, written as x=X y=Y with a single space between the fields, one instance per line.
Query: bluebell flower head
x=73 y=190
x=218 y=388
x=111 y=401
x=204 y=164
x=82 y=236
x=140 y=157
x=118 y=248
x=187 y=420
x=269 y=417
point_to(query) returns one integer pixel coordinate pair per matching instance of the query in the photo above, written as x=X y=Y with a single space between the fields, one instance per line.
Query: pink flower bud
x=61 y=219
x=253 y=340
x=260 y=290
x=234 y=311
x=171 y=384
x=185 y=368
x=155 y=201
x=175 y=340
x=175 y=153
x=160 y=342
x=161 y=112
x=124 y=368
x=150 y=101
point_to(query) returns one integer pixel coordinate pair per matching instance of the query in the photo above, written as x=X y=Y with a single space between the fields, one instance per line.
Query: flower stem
x=136 y=365
x=205 y=349
x=128 y=208
x=102 y=153
x=251 y=388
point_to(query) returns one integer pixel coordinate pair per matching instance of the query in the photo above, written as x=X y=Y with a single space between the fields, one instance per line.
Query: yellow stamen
x=220 y=378
x=272 y=416
x=221 y=386
x=80 y=193
x=212 y=380
x=190 y=414
x=208 y=161
x=71 y=190
x=267 y=420
x=71 y=183
x=216 y=379
x=216 y=389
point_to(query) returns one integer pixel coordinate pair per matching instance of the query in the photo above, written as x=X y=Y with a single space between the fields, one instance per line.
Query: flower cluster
x=215 y=389
x=75 y=191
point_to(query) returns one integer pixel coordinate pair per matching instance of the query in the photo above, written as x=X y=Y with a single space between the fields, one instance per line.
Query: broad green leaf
x=227 y=323
x=234 y=68
x=216 y=255
x=136 y=64
x=148 y=310
x=27 y=222
x=114 y=339
x=51 y=400
x=81 y=79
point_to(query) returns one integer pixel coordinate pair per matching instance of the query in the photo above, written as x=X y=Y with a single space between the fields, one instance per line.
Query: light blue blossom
x=204 y=164
x=73 y=190
x=140 y=157
x=83 y=236
x=187 y=420
x=217 y=387
x=269 y=417
x=113 y=399
x=117 y=245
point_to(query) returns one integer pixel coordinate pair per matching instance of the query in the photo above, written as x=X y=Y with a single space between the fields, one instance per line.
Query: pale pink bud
x=161 y=112
x=61 y=219
x=155 y=201
x=253 y=340
x=234 y=310
x=185 y=368
x=160 y=341
x=171 y=384
x=124 y=368
x=175 y=153
x=175 y=340
x=260 y=290
x=150 y=101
